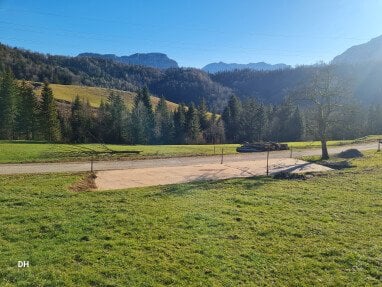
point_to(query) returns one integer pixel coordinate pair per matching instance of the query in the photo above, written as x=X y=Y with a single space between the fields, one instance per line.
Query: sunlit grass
x=23 y=151
x=45 y=152
x=95 y=94
x=324 y=231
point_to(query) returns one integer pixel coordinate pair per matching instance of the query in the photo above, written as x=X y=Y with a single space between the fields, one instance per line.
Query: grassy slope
x=95 y=94
x=323 y=231
x=42 y=152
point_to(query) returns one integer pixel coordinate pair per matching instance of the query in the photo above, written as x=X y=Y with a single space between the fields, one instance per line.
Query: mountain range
x=154 y=60
x=370 y=52
x=162 y=61
x=360 y=66
x=224 y=67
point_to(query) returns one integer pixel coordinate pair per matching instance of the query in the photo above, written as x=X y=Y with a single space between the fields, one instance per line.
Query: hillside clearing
x=95 y=94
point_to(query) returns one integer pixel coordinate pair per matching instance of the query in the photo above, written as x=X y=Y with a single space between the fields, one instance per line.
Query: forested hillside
x=363 y=81
x=184 y=85
x=266 y=86
x=176 y=85
x=187 y=85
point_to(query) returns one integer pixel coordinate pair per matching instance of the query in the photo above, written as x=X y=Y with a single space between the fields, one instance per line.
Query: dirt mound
x=350 y=153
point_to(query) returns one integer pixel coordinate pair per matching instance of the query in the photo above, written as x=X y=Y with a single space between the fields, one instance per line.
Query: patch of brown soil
x=153 y=176
x=87 y=183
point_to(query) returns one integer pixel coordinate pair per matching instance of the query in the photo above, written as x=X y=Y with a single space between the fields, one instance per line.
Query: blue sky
x=196 y=32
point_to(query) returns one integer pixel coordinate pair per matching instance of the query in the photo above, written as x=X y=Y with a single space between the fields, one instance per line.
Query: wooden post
x=268 y=162
x=222 y=156
x=91 y=165
x=379 y=145
x=214 y=149
x=291 y=152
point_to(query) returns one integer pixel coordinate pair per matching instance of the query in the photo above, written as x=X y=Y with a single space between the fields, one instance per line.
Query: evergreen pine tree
x=117 y=112
x=103 y=122
x=164 y=125
x=262 y=123
x=180 y=124
x=77 y=121
x=49 y=122
x=295 y=126
x=89 y=123
x=250 y=122
x=7 y=106
x=232 y=116
x=193 y=133
x=138 y=125
x=143 y=97
x=26 y=112
x=203 y=117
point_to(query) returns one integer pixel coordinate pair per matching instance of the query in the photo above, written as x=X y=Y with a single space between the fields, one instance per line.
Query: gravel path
x=153 y=176
x=165 y=162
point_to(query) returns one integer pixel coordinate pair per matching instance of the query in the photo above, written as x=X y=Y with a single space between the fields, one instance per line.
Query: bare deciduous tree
x=326 y=96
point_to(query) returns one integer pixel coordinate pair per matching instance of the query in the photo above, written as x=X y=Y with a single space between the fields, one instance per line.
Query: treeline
x=26 y=116
x=112 y=122
x=251 y=121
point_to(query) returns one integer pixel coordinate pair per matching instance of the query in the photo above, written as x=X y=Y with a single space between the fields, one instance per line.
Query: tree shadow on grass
x=293 y=168
x=208 y=184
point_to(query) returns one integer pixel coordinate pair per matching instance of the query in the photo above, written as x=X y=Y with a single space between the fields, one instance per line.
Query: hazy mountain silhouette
x=154 y=60
x=224 y=67
x=370 y=52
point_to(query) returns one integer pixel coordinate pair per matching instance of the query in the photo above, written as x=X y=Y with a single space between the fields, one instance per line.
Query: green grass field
x=324 y=231
x=14 y=152
x=317 y=144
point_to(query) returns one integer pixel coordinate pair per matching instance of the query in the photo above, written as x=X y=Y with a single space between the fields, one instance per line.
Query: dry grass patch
x=86 y=183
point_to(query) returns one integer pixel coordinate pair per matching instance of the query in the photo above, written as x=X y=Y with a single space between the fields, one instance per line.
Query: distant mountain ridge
x=370 y=52
x=186 y=85
x=225 y=67
x=178 y=85
x=153 y=60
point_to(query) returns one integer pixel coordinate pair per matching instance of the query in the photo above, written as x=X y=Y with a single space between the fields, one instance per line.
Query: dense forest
x=363 y=81
x=186 y=85
x=23 y=115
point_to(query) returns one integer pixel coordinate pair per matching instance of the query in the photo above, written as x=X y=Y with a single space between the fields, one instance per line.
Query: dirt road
x=166 y=162
x=152 y=176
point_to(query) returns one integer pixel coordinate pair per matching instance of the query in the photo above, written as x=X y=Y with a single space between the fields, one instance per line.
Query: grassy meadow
x=324 y=231
x=23 y=151
x=95 y=94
